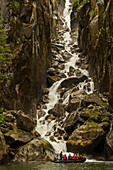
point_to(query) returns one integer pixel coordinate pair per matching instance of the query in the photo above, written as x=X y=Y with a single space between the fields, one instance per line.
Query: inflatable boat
x=80 y=160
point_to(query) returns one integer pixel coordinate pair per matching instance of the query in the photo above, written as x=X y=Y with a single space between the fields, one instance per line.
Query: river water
x=53 y=166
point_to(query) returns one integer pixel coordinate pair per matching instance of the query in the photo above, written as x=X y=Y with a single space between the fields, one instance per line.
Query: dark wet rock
x=51 y=71
x=70 y=121
x=52 y=139
x=65 y=136
x=109 y=144
x=105 y=126
x=78 y=72
x=78 y=63
x=84 y=66
x=45 y=98
x=61 y=66
x=3 y=149
x=9 y=117
x=75 y=100
x=55 y=64
x=51 y=80
x=60 y=130
x=36 y=150
x=13 y=112
x=45 y=91
x=36 y=134
x=50 y=117
x=86 y=138
x=56 y=134
x=16 y=138
x=66 y=55
x=85 y=115
x=92 y=99
x=73 y=105
x=24 y=122
x=41 y=113
x=48 y=134
x=71 y=71
x=57 y=111
x=71 y=82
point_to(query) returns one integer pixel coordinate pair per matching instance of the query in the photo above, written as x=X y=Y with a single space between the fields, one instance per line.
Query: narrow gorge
x=57 y=91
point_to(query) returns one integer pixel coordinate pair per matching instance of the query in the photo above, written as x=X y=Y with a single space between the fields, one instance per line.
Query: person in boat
x=69 y=157
x=65 y=157
x=56 y=157
x=80 y=156
x=74 y=156
x=61 y=155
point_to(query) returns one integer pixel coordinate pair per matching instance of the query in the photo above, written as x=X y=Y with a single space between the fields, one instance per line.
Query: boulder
x=71 y=121
x=51 y=80
x=86 y=139
x=75 y=100
x=92 y=99
x=24 y=122
x=9 y=117
x=41 y=113
x=3 y=149
x=16 y=138
x=66 y=55
x=35 y=150
x=71 y=71
x=57 y=111
x=109 y=144
x=72 y=82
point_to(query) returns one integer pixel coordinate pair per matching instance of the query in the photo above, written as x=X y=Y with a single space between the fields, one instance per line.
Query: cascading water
x=44 y=126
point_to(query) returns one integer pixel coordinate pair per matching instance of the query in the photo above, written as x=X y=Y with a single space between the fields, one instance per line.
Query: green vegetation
x=13 y=4
x=101 y=30
x=80 y=3
x=2 y=118
x=92 y=14
x=92 y=123
x=5 y=53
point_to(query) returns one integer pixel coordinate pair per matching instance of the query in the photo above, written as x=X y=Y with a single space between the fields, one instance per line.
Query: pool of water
x=53 y=166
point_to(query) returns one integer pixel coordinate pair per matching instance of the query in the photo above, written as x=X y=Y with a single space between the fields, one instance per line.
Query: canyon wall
x=96 y=40
x=28 y=27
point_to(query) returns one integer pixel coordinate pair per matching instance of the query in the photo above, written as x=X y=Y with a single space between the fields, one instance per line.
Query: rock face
x=109 y=144
x=3 y=149
x=36 y=150
x=95 y=38
x=28 y=26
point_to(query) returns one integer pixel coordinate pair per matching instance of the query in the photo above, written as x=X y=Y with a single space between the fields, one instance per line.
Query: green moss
x=92 y=123
x=13 y=4
x=2 y=118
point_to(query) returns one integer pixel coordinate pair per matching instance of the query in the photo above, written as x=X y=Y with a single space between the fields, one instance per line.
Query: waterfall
x=44 y=126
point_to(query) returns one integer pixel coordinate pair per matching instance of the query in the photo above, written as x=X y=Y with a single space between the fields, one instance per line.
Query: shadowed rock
x=71 y=82
x=57 y=111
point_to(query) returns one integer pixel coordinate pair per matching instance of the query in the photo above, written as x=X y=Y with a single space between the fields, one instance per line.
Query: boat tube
x=80 y=160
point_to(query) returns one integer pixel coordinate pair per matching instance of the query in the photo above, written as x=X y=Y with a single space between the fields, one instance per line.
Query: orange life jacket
x=74 y=157
x=80 y=156
x=64 y=157
x=77 y=156
x=70 y=157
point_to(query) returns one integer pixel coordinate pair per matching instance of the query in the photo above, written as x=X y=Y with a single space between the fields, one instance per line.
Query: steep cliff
x=28 y=28
x=96 y=39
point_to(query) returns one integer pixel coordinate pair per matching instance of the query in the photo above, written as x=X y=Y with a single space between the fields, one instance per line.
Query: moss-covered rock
x=86 y=138
x=16 y=138
x=24 y=122
x=36 y=150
